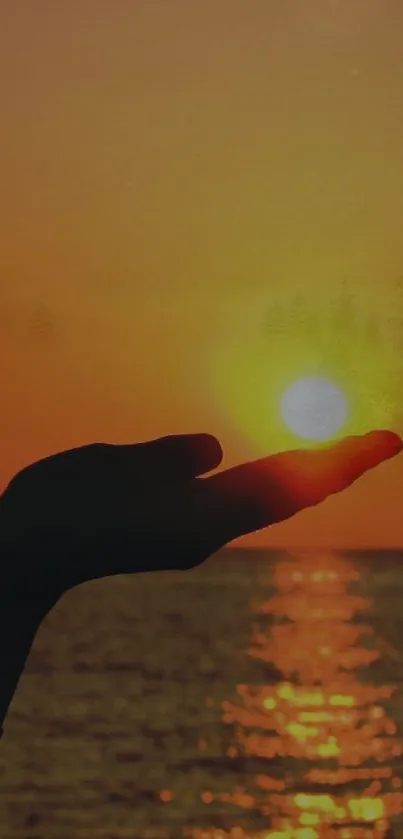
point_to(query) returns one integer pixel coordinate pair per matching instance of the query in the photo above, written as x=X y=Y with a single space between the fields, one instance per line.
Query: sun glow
x=307 y=380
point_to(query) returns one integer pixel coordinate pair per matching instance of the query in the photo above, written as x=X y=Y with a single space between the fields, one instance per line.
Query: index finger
x=255 y=495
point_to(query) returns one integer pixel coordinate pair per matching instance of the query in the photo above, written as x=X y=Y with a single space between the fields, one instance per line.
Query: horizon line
x=349 y=548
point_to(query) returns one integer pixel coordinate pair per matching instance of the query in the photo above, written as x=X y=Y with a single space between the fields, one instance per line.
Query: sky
x=180 y=180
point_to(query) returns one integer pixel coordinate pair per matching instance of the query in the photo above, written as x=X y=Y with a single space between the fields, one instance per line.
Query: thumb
x=178 y=456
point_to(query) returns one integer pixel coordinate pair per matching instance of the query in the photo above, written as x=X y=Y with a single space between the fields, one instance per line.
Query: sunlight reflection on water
x=325 y=750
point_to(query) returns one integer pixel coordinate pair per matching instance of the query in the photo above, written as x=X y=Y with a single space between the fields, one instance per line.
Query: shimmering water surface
x=256 y=697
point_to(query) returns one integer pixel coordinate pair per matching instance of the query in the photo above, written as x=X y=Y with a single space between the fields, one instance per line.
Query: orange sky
x=168 y=171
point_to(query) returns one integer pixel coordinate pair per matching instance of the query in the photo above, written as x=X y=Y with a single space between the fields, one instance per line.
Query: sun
x=306 y=380
x=314 y=408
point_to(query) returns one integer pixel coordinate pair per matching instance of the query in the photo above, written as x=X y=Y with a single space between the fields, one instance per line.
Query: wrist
x=26 y=581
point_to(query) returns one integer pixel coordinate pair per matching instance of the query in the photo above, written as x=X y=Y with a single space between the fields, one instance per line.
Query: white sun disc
x=314 y=408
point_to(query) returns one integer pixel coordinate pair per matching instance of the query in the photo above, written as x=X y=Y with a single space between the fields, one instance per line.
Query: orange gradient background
x=169 y=170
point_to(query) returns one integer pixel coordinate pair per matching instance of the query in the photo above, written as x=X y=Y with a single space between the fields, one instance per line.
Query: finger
x=258 y=494
x=181 y=456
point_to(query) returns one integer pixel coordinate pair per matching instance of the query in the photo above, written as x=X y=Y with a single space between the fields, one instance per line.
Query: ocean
x=258 y=696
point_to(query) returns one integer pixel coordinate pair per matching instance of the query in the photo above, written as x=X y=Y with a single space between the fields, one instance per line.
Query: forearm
x=18 y=627
x=23 y=605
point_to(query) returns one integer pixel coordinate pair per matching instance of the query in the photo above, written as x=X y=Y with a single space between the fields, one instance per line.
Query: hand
x=110 y=509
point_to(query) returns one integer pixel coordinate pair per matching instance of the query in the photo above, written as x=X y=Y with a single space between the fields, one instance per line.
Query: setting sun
x=314 y=408
x=299 y=378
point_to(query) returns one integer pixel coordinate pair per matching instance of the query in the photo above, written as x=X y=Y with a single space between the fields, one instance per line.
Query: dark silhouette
x=107 y=509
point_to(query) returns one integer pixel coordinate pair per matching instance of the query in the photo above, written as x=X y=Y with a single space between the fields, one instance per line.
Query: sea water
x=256 y=697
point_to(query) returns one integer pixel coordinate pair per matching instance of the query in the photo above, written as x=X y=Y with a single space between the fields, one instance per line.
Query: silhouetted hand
x=110 y=509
